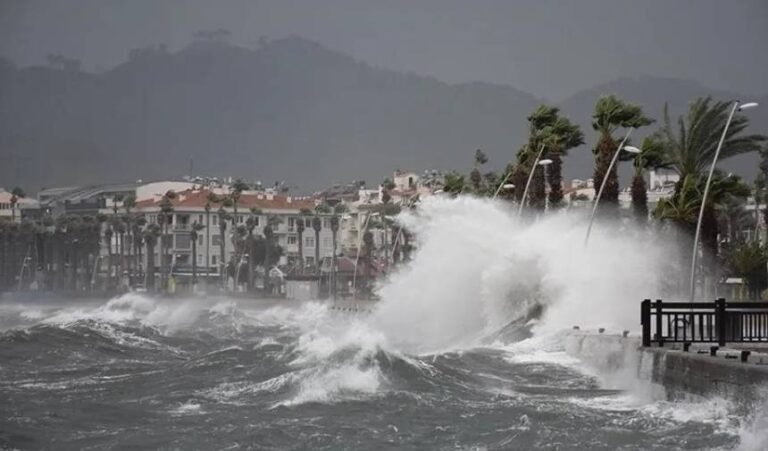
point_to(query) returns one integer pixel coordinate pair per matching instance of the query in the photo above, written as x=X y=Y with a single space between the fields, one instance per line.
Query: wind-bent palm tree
x=558 y=134
x=610 y=114
x=690 y=145
x=129 y=203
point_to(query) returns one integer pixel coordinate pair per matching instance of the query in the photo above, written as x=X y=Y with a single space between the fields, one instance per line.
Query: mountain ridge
x=290 y=110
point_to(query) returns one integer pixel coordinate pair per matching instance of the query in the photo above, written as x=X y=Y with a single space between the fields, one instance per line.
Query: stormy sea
x=465 y=350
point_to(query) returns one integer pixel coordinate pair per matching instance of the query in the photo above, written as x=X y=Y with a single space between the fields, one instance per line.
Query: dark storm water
x=100 y=377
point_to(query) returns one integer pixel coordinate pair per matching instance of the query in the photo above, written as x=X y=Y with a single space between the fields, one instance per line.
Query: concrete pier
x=680 y=373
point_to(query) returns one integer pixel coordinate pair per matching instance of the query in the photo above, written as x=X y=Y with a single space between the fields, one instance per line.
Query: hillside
x=289 y=110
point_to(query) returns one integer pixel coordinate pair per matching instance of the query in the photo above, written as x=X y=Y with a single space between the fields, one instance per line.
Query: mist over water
x=465 y=350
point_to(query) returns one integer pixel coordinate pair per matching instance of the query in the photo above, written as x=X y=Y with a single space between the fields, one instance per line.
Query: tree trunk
x=317 y=252
x=333 y=265
x=609 y=202
x=555 y=172
x=639 y=199
x=194 y=262
x=301 y=251
x=537 y=193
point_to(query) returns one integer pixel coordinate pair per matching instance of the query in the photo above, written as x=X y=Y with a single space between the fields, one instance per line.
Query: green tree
x=610 y=114
x=691 y=143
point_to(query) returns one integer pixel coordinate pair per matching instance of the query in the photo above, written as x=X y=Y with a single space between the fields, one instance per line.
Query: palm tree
x=14 y=201
x=650 y=156
x=339 y=209
x=475 y=176
x=610 y=114
x=690 y=146
x=558 y=134
x=210 y=199
x=250 y=224
x=223 y=217
x=300 y=225
x=317 y=225
x=108 y=234
x=128 y=203
x=454 y=183
x=166 y=213
x=151 y=234
x=196 y=227
x=748 y=261
x=564 y=136
x=236 y=190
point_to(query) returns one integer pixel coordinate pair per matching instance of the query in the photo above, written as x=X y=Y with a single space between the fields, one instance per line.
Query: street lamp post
x=737 y=106
x=536 y=162
x=504 y=185
x=621 y=147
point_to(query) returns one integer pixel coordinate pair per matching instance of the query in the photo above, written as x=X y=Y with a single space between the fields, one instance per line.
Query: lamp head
x=508 y=186
x=747 y=106
x=631 y=149
x=545 y=162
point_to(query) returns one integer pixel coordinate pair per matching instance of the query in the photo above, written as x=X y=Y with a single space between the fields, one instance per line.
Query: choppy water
x=269 y=378
x=449 y=359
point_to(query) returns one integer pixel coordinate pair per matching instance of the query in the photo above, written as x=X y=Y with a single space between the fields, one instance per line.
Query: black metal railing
x=718 y=322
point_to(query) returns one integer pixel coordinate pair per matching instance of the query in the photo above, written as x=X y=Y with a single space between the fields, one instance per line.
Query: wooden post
x=720 y=321
x=645 y=321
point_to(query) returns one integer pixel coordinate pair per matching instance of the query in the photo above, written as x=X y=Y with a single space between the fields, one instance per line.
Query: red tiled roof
x=198 y=199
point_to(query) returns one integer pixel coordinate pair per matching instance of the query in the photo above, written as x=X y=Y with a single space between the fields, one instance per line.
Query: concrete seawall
x=670 y=372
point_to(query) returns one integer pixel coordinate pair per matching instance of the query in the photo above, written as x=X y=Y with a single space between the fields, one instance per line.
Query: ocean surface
x=466 y=350
x=140 y=373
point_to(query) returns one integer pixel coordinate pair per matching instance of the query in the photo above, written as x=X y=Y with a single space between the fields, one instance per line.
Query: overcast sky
x=548 y=48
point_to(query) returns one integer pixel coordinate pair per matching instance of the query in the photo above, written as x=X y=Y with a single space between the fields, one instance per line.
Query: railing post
x=659 y=335
x=645 y=321
x=720 y=321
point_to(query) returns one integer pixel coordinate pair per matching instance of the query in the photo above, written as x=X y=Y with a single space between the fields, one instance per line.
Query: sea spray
x=478 y=268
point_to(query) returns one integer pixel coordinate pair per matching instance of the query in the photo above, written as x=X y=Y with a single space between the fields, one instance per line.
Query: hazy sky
x=549 y=48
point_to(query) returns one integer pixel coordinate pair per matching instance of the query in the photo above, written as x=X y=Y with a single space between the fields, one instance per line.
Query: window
x=309 y=241
x=199 y=219
x=215 y=219
x=240 y=219
x=308 y=223
x=200 y=260
x=200 y=239
x=291 y=222
x=292 y=240
x=216 y=240
x=183 y=241
x=310 y=260
x=327 y=242
x=213 y=260
x=256 y=220
x=326 y=223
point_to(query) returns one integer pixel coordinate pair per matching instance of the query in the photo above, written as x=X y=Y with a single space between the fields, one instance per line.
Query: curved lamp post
x=504 y=185
x=621 y=147
x=537 y=162
x=737 y=106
